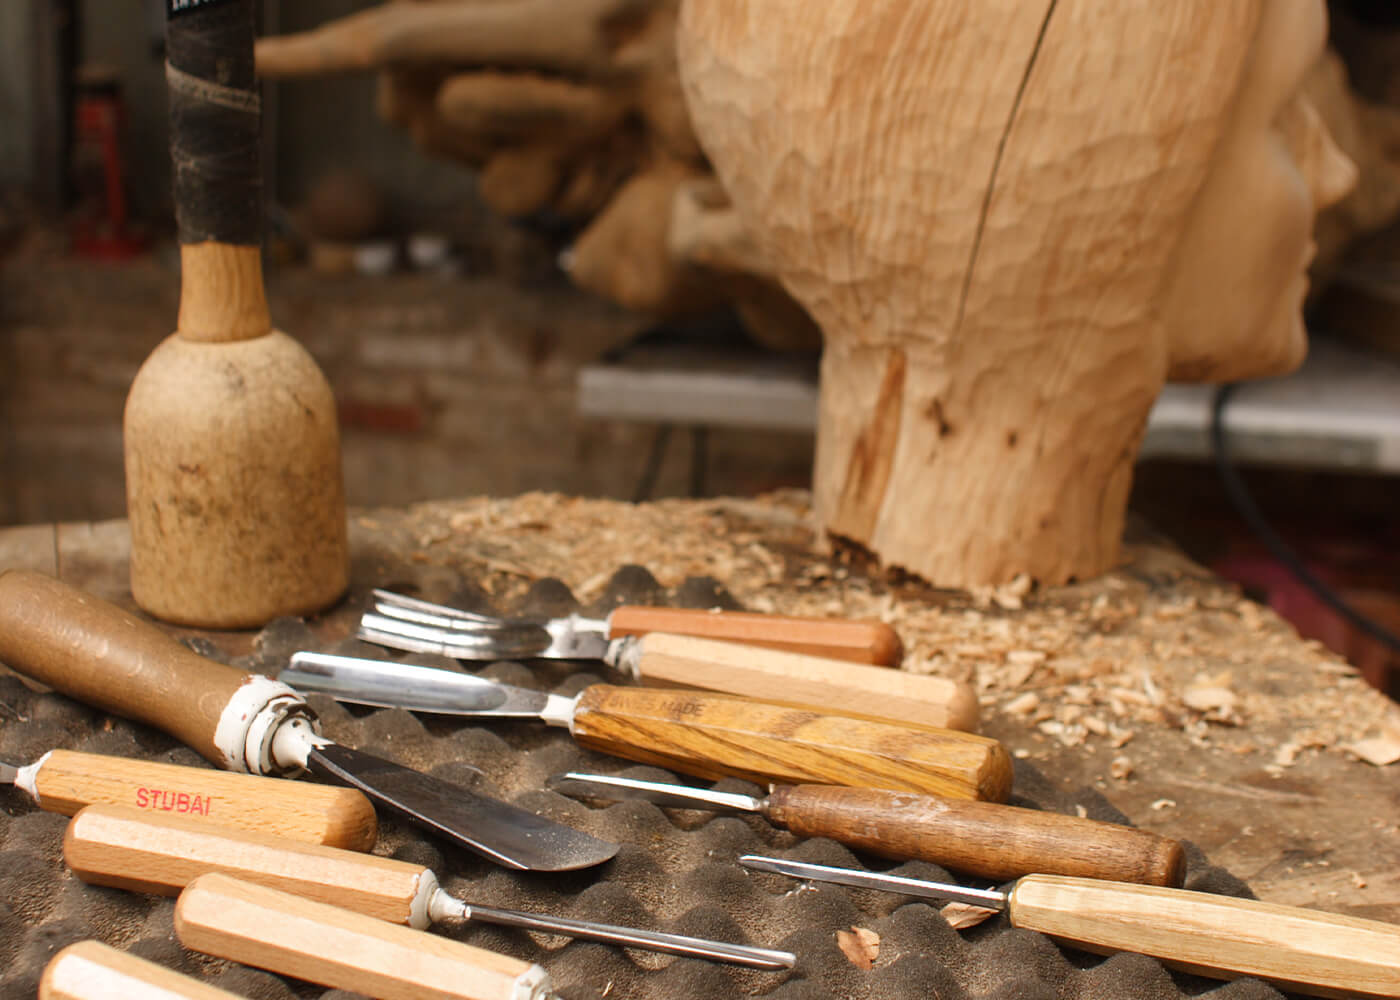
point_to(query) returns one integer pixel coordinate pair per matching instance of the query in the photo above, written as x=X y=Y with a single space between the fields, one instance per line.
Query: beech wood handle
x=126 y=848
x=986 y=839
x=1306 y=951
x=712 y=736
x=91 y=970
x=837 y=639
x=66 y=781
x=800 y=679
x=286 y=934
x=97 y=653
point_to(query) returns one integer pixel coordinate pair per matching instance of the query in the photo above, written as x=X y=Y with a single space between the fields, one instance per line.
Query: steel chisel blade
x=506 y=834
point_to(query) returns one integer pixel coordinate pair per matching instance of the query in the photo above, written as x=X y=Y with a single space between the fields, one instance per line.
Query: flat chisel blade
x=506 y=834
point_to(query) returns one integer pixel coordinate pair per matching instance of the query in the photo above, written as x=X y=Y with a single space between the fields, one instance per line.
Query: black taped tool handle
x=215 y=119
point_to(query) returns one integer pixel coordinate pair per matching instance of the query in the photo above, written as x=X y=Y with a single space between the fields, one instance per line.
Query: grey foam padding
x=675 y=869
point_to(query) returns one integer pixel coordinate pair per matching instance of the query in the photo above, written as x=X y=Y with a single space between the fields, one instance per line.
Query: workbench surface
x=1195 y=711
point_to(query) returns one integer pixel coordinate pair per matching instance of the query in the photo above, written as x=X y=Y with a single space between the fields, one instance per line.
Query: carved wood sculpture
x=572 y=107
x=1013 y=222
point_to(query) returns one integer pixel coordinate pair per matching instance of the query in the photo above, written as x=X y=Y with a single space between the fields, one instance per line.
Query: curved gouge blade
x=385 y=684
x=506 y=834
x=989 y=898
x=494 y=643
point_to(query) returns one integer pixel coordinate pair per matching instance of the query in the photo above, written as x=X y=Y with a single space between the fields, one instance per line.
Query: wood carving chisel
x=1305 y=951
x=97 y=653
x=120 y=847
x=91 y=970
x=577 y=637
x=986 y=839
x=63 y=781
x=282 y=933
x=723 y=666
x=707 y=735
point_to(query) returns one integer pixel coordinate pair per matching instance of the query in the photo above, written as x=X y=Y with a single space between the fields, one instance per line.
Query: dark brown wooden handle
x=713 y=736
x=978 y=838
x=835 y=639
x=97 y=653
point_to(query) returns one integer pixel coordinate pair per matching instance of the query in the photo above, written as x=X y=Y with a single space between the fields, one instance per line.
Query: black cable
x=1239 y=495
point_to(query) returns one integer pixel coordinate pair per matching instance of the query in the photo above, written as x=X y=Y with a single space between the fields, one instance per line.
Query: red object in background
x=101 y=227
x=1272 y=583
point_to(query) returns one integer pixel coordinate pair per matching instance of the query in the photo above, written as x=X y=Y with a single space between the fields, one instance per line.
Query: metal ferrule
x=250 y=722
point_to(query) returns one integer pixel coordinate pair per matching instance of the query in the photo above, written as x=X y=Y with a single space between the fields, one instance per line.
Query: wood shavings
x=1380 y=751
x=961 y=916
x=860 y=945
x=1121 y=768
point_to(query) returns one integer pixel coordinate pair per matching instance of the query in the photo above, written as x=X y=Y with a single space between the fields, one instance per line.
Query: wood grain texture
x=985 y=839
x=101 y=655
x=91 y=970
x=126 y=848
x=978 y=203
x=713 y=736
x=323 y=944
x=800 y=679
x=315 y=814
x=222 y=298
x=1304 y=951
x=875 y=643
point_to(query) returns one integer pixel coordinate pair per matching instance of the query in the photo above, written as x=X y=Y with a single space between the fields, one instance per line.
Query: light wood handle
x=286 y=934
x=97 y=653
x=799 y=679
x=986 y=839
x=1306 y=951
x=91 y=970
x=837 y=639
x=126 y=848
x=317 y=814
x=714 y=735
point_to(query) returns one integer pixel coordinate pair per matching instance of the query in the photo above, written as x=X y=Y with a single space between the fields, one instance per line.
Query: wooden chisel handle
x=101 y=655
x=1305 y=951
x=714 y=735
x=64 y=781
x=837 y=639
x=986 y=839
x=124 y=848
x=287 y=934
x=91 y=970
x=800 y=679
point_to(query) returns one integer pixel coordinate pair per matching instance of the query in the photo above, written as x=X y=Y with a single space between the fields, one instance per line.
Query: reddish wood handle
x=97 y=653
x=713 y=736
x=316 y=814
x=835 y=639
x=979 y=838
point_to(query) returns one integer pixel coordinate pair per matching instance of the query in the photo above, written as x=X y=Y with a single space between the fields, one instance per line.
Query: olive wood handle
x=985 y=839
x=1304 y=951
x=712 y=736
x=91 y=970
x=800 y=679
x=837 y=639
x=296 y=937
x=66 y=781
x=101 y=655
x=125 y=848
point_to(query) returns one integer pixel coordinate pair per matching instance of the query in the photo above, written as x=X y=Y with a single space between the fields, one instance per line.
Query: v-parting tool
x=1224 y=937
x=63 y=781
x=126 y=849
x=97 y=653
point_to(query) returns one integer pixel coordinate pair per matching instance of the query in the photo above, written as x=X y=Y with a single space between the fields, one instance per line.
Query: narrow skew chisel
x=125 y=849
x=1224 y=937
